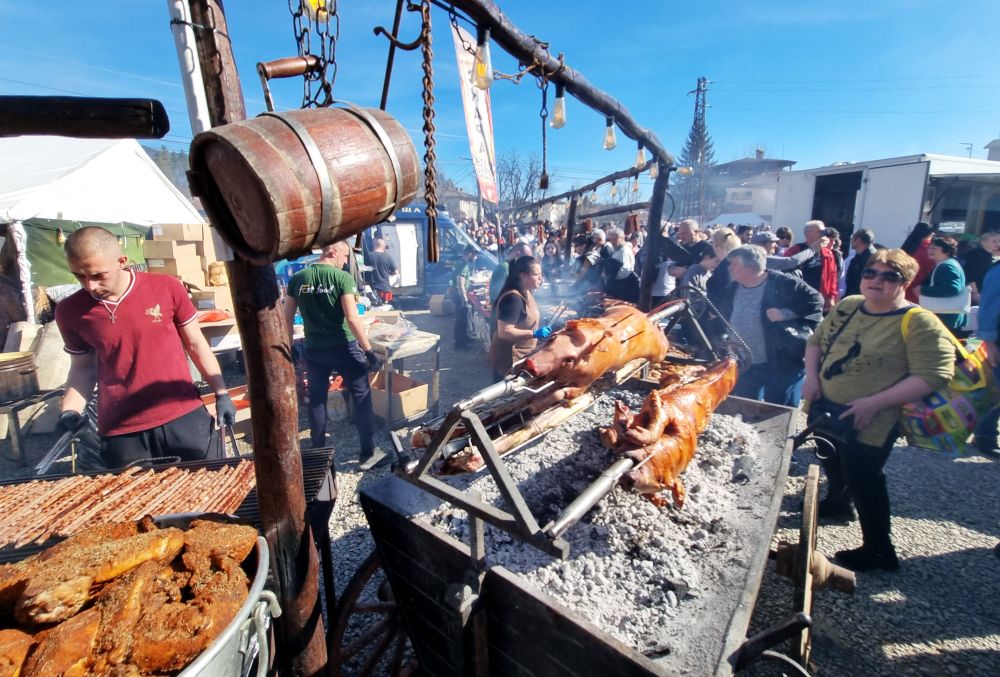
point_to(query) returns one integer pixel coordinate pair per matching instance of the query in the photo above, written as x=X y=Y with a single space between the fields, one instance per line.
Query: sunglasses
x=890 y=276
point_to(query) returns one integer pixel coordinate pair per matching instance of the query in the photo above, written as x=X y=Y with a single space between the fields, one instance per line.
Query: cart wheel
x=367 y=634
x=802 y=645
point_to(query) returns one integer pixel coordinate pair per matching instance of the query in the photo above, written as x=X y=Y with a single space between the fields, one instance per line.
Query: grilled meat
x=579 y=354
x=686 y=410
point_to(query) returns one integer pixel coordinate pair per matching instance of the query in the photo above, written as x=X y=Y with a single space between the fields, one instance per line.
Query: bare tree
x=517 y=179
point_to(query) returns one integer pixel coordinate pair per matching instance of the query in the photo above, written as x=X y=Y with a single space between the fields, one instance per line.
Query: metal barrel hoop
x=390 y=148
x=327 y=188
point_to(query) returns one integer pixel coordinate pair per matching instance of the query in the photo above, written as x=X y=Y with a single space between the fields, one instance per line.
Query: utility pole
x=700 y=125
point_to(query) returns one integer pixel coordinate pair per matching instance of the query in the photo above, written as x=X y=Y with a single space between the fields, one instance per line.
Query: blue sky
x=808 y=81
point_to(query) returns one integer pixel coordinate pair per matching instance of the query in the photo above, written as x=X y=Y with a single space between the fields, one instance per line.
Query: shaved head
x=92 y=241
x=96 y=260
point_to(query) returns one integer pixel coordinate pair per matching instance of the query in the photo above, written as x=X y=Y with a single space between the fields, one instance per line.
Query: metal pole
x=653 y=237
x=392 y=55
x=273 y=400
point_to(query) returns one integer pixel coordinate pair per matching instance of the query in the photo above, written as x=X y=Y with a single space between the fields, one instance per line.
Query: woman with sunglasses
x=947 y=278
x=860 y=364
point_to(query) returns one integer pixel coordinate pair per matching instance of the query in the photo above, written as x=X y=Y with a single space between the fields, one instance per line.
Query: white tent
x=100 y=180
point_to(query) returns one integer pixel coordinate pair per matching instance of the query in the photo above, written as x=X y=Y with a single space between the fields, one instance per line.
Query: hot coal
x=660 y=579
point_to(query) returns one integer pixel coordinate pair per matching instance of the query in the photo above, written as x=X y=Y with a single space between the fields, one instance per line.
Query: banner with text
x=478 y=118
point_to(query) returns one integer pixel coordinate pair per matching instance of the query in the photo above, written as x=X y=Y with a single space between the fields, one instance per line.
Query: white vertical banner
x=478 y=118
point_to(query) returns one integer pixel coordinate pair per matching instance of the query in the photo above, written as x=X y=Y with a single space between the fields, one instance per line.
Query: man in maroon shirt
x=129 y=333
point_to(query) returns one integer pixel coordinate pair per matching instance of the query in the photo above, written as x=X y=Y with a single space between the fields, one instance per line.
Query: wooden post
x=570 y=226
x=83 y=117
x=278 y=465
x=653 y=237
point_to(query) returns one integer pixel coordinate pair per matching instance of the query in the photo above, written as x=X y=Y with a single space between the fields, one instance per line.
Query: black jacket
x=783 y=291
x=852 y=280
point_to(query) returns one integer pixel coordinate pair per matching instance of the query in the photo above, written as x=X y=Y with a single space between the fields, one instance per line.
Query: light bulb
x=614 y=190
x=635 y=185
x=121 y=242
x=609 y=135
x=559 y=109
x=482 y=66
x=316 y=10
x=543 y=181
x=654 y=170
x=60 y=237
x=640 y=157
x=685 y=171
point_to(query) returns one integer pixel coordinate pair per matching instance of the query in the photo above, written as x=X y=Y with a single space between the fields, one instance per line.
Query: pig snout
x=556 y=352
x=640 y=481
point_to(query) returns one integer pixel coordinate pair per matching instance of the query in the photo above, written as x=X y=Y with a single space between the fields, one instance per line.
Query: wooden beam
x=617 y=176
x=653 y=237
x=83 y=117
x=620 y=209
x=273 y=401
x=526 y=49
x=570 y=227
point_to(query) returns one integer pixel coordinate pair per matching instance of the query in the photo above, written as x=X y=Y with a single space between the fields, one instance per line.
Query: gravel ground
x=937 y=615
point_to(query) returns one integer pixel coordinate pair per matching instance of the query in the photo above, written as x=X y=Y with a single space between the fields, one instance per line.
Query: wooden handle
x=288 y=67
x=83 y=117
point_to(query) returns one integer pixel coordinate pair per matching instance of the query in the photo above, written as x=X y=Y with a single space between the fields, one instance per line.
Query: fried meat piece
x=121 y=604
x=64 y=584
x=208 y=537
x=66 y=649
x=170 y=634
x=14 y=646
x=14 y=577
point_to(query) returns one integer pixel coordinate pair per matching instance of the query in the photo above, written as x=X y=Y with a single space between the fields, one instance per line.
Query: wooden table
x=10 y=409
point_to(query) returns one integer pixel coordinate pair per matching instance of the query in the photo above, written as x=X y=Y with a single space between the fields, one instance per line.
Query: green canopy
x=45 y=254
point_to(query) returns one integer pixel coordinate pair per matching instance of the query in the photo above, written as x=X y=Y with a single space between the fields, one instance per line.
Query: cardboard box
x=169 y=249
x=213 y=298
x=409 y=396
x=385 y=316
x=442 y=305
x=192 y=232
x=188 y=270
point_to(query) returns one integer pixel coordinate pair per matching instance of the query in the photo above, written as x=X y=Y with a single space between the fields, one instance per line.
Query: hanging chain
x=430 y=154
x=453 y=18
x=543 y=180
x=319 y=17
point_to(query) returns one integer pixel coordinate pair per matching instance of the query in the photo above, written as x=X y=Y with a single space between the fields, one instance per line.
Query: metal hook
x=405 y=46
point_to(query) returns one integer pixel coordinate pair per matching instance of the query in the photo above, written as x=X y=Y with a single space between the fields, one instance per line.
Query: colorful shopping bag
x=944 y=420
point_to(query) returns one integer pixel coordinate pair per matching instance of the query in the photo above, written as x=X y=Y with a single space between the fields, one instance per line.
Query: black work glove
x=71 y=421
x=374 y=363
x=225 y=411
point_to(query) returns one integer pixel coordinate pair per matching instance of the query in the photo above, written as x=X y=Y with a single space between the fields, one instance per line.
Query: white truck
x=958 y=195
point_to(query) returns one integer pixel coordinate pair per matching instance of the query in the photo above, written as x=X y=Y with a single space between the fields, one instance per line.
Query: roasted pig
x=685 y=411
x=579 y=354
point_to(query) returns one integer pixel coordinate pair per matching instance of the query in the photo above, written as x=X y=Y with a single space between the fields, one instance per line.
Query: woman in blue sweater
x=947 y=278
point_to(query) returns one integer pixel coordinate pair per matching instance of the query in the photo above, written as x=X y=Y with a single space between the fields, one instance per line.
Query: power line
x=857 y=89
x=854 y=112
x=814 y=81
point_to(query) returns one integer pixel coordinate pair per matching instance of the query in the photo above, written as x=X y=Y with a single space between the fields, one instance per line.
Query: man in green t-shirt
x=459 y=297
x=335 y=341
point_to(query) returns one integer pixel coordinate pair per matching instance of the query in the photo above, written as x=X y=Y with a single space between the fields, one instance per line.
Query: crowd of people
x=854 y=336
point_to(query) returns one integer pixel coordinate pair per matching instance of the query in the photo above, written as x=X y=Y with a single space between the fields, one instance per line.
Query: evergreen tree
x=685 y=189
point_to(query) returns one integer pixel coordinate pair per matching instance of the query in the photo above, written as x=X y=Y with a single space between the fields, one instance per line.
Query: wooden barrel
x=282 y=184
x=18 y=376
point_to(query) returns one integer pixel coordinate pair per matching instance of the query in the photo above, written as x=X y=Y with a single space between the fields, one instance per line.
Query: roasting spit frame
x=517 y=519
